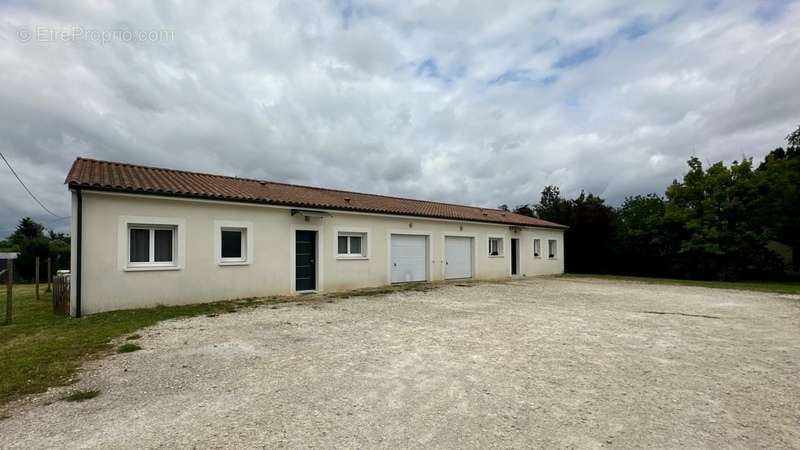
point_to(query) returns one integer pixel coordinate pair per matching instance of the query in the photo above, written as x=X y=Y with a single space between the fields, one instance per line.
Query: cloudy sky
x=474 y=102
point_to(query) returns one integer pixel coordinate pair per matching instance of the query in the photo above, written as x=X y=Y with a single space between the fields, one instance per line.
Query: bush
x=29 y=249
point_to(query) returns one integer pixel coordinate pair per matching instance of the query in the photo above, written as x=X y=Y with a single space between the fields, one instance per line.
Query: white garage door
x=409 y=257
x=458 y=257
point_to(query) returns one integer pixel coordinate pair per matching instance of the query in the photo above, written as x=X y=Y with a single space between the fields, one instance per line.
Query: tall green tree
x=589 y=238
x=587 y=241
x=645 y=241
x=793 y=139
x=779 y=208
x=551 y=206
x=723 y=237
x=26 y=229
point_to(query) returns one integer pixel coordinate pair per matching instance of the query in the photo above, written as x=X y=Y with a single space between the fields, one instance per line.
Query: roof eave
x=84 y=186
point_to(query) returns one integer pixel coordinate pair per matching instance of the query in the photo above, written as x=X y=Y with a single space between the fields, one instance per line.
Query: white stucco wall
x=107 y=285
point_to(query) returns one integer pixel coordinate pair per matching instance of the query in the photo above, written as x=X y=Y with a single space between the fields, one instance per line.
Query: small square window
x=537 y=248
x=351 y=244
x=495 y=246
x=233 y=243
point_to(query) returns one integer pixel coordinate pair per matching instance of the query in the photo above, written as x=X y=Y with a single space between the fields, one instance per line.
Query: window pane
x=163 y=246
x=536 y=247
x=355 y=245
x=552 y=245
x=342 y=245
x=140 y=245
x=231 y=244
x=493 y=246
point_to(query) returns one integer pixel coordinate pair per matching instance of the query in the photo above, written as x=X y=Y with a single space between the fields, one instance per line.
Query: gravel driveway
x=549 y=362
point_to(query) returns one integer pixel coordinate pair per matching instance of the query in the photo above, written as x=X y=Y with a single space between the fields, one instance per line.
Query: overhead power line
x=29 y=191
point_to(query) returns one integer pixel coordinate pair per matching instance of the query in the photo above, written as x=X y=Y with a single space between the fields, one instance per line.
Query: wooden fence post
x=9 y=284
x=61 y=295
x=37 y=278
x=49 y=275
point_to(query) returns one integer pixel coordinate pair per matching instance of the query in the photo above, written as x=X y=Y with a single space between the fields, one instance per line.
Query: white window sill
x=353 y=257
x=233 y=263
x=150 y=268
x=496 y=256
x=552 y=259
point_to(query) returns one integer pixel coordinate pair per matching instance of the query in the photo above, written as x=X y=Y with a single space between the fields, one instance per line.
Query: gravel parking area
x=550 y=362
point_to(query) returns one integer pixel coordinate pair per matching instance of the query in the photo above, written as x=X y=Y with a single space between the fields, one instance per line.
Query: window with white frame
x=537 y=248
x=233 y=244
x=151 y=245
x=552 y=248
x=495 y=246
x=351 y=244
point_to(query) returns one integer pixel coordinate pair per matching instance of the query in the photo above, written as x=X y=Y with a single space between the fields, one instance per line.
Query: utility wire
x=29 y=191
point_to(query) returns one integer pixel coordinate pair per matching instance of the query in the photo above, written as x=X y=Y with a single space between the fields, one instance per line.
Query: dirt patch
x=546 y=362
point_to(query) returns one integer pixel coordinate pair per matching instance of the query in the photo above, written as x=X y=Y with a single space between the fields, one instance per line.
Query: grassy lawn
x=39 y=350
x=780 y=287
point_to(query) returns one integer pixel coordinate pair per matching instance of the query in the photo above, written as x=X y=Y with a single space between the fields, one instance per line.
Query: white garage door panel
x=409 y=257
x=458 y=257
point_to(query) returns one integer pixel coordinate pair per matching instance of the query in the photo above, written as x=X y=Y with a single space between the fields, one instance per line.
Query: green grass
x=779 y=287
x=79 y=396
x=128 y=348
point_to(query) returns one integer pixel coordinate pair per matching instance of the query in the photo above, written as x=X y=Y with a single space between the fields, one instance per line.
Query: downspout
x=79 y=245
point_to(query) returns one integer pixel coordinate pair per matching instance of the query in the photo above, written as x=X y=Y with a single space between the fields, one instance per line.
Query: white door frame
x=292 y=261
x=428 y=251
x=474 y=263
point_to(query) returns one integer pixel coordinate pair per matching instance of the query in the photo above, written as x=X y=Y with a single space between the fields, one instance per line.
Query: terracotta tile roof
x=120 y=177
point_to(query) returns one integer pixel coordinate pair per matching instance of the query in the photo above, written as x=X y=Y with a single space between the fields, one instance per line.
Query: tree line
x=726 y=222
x=31 y=239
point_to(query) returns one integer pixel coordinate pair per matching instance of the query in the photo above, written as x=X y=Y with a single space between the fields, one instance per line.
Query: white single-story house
x=145 y=236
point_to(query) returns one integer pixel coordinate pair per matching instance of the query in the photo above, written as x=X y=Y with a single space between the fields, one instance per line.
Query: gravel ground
x=550 y=362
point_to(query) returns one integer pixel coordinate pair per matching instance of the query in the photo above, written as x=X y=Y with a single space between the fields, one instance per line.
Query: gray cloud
x=473 y=102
